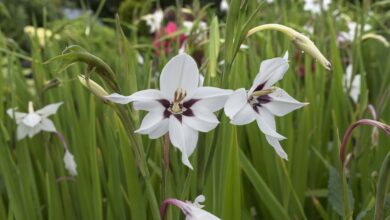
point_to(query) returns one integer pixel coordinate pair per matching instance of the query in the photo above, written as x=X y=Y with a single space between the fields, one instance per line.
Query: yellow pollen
x=263 y=92
x=179 y=95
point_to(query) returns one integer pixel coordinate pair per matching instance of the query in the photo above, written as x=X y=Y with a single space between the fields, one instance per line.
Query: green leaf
x=335 y=188
x=265 y=193
x=232 y=193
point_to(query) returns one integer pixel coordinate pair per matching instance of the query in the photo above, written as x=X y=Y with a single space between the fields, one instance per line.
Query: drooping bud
x=70 y=163
x=92 y=86
x=300 y=40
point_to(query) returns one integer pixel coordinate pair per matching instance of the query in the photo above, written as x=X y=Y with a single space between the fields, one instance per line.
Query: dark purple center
x=186 y=106
x=258 y=101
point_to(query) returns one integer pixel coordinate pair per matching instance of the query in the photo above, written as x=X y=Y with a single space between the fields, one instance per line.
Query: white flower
x=315 y=5
x=352 y=28
x=180 y=107
x=34 y=121
x=194 y=211
x=353 y=86
x=188 y=25
x=154 y=20
x=263 y=101
x=70 y=164
x=224 y=6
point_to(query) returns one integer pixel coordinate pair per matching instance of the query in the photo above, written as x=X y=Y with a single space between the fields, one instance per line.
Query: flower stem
x=343 y=148
x=167 y=202
x=166 y=165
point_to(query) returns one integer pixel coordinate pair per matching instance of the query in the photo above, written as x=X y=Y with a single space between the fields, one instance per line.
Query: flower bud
x=95 y=88
x=300 y=40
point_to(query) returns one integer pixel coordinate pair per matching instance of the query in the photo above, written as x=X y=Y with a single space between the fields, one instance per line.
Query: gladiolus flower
x=263 y=101
x=33 y=122
x=192 y=211
x=154 y=20
x=181 y=107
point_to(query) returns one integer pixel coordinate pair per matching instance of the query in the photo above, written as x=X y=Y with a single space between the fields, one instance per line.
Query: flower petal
x=118 y=98
x=180 y=72
x=235 y=102
x=18 y=115
x=246 y=115
x=210 y=97
x=355 y=88
x=49 y=109
x=150 y=121
x=70 y=163
x=203 y=119
x=274 y=142
x=141 y=96
x=282 y=103
x=183 y=138
x=32 y=119
x=266 y=122
x=271 y=71
x=198 y=213
x=33 y=131
x=147 y=105
x=159 y=129
x=22 y=131
x=47 y=125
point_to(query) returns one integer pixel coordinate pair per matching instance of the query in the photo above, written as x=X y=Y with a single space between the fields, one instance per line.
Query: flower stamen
x=177 y=106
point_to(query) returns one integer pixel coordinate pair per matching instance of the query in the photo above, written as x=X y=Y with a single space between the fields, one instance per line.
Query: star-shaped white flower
x=33 y=122
x=181 y=107
x=352 y=85
x=263 y=101
x=194 y=211
x=154 y=20
x=315 y=5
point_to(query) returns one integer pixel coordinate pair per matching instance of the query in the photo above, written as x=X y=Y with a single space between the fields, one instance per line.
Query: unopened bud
x=301 y=41
x=92 y=86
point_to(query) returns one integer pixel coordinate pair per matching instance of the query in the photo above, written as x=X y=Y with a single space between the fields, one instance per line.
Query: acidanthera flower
x=33 y=122
x=352 y=85
x=154 y=20
x=181 y=107
x=315 y=5
x=263 y=101
x=192 y=211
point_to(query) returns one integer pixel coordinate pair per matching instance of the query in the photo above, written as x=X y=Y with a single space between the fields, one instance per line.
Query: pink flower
x=169 y=29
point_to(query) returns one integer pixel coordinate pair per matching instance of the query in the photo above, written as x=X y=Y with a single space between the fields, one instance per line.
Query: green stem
x=383 y=183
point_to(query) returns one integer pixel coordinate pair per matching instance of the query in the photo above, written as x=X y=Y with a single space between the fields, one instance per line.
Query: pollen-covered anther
x=263 y=92
x=179 y=95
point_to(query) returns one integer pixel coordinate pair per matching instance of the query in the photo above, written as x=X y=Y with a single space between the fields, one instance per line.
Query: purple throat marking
x=185 y=105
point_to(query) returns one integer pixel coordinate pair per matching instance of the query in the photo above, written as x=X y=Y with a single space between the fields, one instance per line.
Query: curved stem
x=170 y=201
x=348 y=133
